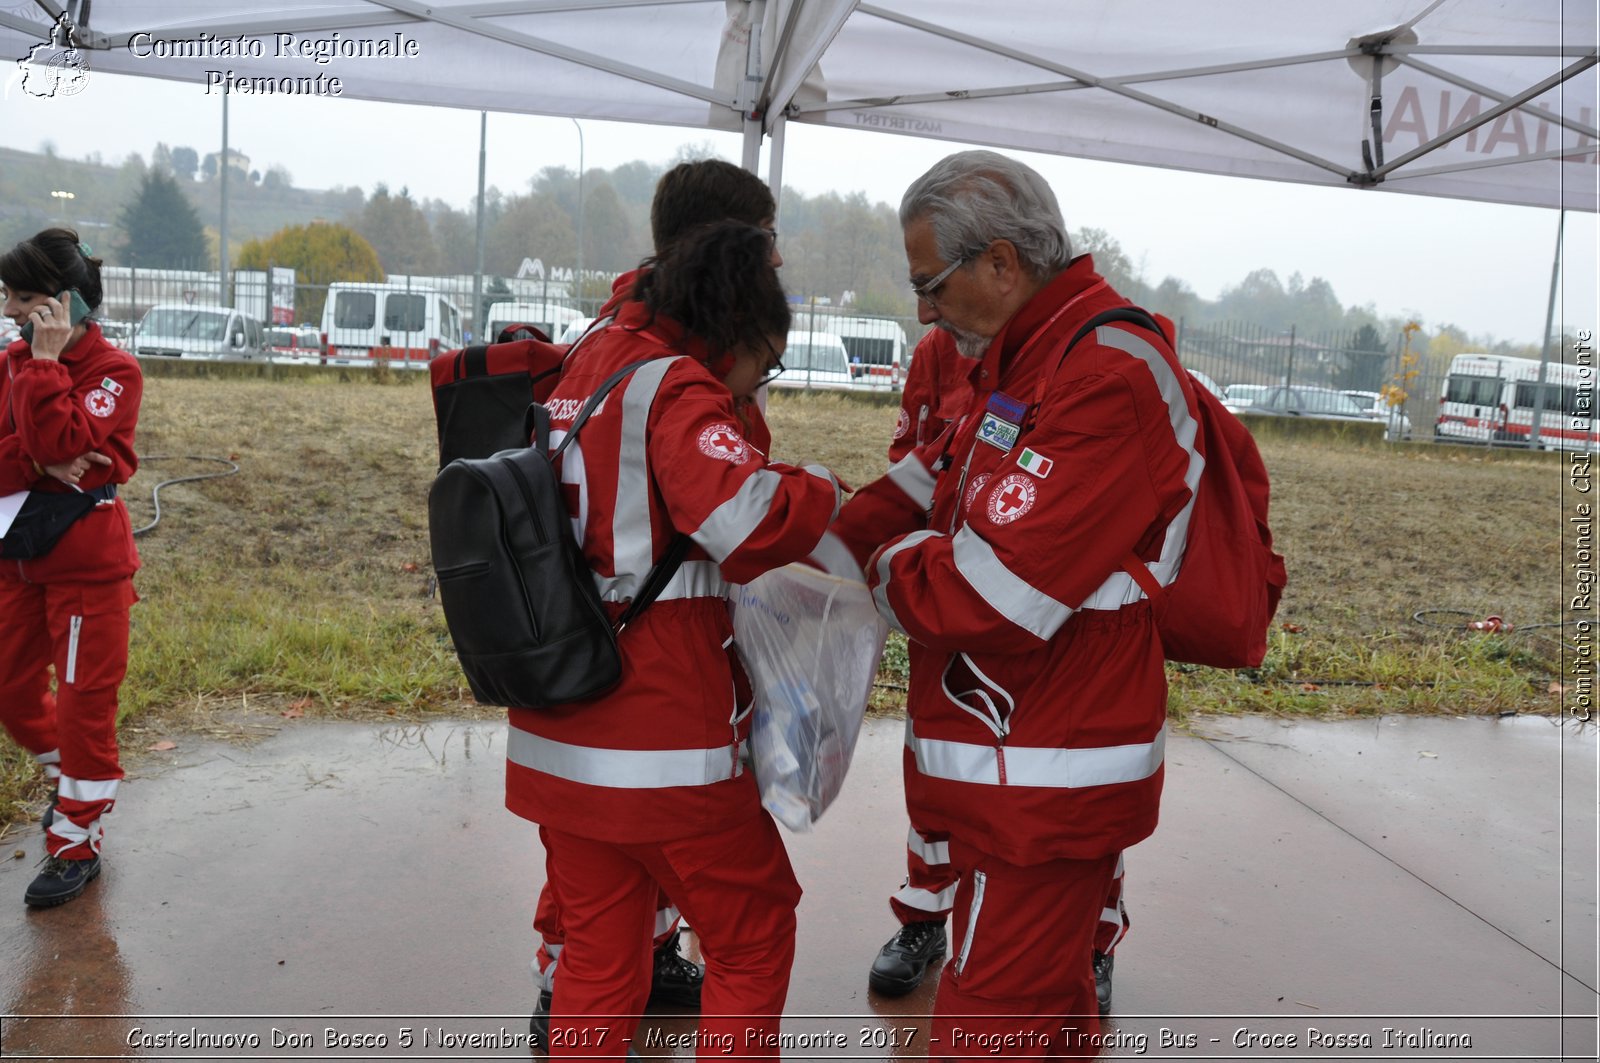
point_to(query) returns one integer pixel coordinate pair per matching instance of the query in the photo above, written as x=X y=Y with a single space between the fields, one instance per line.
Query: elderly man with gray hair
x=1037 y=702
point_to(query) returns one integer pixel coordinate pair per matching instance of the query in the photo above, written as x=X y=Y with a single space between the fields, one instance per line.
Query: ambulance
x=1490 y=398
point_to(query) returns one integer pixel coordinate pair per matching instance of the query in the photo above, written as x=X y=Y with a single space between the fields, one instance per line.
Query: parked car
x=1238 y=397
x=117 y=333
x=1209 y=384
x=575 y=329
x=1378 y=409
x=291 y=344
x=1316 y=404
x=180 y=330
x=813 y=360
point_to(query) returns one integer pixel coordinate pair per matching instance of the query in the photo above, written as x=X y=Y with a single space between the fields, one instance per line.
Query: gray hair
x=973 y=198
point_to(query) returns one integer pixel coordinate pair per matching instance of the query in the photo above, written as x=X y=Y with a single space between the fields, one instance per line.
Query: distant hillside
x=99 y=192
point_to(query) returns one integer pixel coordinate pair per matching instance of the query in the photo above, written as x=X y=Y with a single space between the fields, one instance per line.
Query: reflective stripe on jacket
x=1037 y=700
x=658 y=757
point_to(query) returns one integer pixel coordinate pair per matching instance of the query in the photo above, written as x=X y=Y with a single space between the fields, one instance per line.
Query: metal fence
x=1240 y=352
x=1234 y=352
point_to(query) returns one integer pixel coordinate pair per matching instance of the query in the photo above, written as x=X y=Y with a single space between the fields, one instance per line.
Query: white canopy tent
x=1490 y=100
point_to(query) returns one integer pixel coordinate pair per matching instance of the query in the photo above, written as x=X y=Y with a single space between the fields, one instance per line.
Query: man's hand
x=70 y=472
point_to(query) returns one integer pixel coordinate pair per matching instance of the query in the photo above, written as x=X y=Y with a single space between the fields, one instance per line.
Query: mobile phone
x=77 y=310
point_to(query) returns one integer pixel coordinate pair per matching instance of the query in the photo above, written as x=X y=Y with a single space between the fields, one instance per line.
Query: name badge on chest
x=1002 y=421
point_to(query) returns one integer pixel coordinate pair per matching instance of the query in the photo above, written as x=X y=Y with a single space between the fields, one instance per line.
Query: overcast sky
x=1482 y=267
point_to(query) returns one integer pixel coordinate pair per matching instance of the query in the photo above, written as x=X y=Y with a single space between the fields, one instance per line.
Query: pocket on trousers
x=980 y=881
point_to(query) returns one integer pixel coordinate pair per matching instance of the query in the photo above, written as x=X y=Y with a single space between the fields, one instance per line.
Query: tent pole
x=477 y=276
x=750 y=108
x=1544 y=346
x=775 y=164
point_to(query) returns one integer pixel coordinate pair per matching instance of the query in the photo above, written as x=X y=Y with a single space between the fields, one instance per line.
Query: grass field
x=301 y=585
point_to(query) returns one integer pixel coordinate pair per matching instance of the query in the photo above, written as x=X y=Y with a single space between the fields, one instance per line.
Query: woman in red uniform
x=645 y=788
x=69 y=402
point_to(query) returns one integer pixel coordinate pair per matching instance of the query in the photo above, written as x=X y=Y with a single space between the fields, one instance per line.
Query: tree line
x=836 y=247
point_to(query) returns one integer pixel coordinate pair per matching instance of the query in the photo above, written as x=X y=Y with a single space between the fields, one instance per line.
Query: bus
x=1491 y=399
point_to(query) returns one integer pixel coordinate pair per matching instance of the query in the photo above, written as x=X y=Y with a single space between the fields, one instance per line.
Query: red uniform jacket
x=938 y=391
x=55 y=411
x=658 y=758
x=1037 y=701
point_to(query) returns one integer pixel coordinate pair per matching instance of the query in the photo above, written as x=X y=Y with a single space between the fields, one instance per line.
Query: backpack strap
x=474 y=361
x=661 y=573
x=1133 y=565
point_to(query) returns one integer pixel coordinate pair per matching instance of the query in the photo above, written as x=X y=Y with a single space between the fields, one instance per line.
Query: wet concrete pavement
x=315 y=895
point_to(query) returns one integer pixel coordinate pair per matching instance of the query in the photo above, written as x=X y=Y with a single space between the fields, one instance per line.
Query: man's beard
x=968 y=344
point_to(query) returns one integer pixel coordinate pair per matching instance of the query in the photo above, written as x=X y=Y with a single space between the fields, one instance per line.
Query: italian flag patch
x=1034 y=462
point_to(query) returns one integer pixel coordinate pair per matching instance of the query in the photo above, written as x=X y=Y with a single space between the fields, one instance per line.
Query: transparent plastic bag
x=811 y=643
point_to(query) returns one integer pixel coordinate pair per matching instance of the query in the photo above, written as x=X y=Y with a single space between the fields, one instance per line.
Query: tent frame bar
x=1482 y=119
x=1552 y=117
x=1116 y=86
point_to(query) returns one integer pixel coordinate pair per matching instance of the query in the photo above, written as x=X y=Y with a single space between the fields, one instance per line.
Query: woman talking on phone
x=69 y=402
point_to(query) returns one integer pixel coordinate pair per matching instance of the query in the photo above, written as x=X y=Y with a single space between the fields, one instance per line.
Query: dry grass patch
x=302 y=584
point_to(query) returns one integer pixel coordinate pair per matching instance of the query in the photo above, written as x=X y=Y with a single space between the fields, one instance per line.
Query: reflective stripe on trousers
x=1035 y=765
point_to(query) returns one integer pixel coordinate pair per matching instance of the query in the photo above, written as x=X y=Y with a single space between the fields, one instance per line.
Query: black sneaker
x=675 y=981
x=1102 y=980
x=60 y=881
x=539 y=1021
x=904 y=960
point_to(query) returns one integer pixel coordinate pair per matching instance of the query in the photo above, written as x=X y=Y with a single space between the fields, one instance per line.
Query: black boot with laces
x=675 y=981
x=904 y=960
x=59 y=881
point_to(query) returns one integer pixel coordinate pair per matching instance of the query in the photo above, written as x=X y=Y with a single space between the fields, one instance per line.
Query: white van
x=877 y=348
x=814 y=360
x=550 y=318
x=215 y=333
x=1491 y=398
x=406 y=325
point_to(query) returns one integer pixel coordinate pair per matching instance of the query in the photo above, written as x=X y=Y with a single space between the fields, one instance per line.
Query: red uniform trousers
x=1005 y=989
x=930 y=889
x=739 y=893
x=81 y=629
x=551 y=927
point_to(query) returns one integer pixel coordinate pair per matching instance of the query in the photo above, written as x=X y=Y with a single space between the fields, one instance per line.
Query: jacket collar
x=1076 y=279
x=636 y=317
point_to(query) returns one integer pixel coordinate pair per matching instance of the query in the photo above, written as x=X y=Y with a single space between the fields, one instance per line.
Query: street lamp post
x=62 y=196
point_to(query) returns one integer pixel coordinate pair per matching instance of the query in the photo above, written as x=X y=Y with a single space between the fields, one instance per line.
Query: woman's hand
x=52 y=328
x=70 y=472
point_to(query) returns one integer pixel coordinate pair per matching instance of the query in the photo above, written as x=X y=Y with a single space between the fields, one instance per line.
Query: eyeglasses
x=928 y=291
x=772 y=236
x=775 y=368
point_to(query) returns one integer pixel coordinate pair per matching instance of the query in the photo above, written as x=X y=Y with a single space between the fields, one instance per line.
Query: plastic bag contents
x=811 y=643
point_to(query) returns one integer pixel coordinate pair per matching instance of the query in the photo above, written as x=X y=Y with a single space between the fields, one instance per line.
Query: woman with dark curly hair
x=644 y=788
x=69 y=402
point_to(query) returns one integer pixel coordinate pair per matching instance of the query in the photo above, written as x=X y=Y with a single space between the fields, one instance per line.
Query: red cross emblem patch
x=100 y=402
x=1014 y=497
x=723 y=441
x=903 y=425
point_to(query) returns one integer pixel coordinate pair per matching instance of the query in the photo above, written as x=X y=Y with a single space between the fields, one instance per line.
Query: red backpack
x=481 y=395
x=1219 y=607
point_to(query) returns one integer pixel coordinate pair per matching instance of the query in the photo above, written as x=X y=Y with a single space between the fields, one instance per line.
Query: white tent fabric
x=1491 y=100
